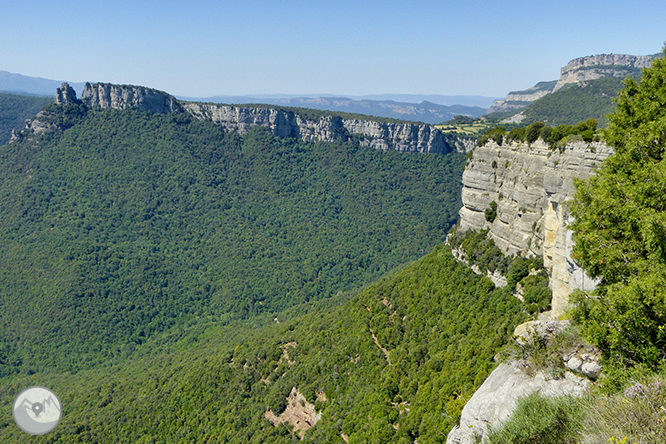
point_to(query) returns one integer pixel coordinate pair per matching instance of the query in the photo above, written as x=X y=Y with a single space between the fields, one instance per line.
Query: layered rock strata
x=531 y=185
x=108 y=96
x=600 y=66
x=398 y=136
x=379 y=135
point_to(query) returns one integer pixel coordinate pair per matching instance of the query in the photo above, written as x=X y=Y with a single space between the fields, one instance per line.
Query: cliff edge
x=375 y=133
x=530 y=185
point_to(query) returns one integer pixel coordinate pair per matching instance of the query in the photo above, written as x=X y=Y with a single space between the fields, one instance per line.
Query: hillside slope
x=393 y=364
x=119 y=225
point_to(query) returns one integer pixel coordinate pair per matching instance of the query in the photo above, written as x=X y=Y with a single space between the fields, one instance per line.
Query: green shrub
x=533 y=131
x=491 y=213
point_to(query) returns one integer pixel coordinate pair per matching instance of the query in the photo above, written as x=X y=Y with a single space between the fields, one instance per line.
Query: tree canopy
x=620 y=228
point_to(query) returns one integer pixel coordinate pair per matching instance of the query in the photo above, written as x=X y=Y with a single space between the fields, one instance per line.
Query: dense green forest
x=173 y=282
x=575 y=102
x=15 y=109
x=394 y=364
x=126 y=224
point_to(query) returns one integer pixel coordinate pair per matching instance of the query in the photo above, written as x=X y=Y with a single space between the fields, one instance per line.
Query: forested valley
x=173 y=282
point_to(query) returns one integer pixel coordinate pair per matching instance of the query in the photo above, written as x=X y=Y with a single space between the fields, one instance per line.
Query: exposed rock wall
x=65 y=94
x=379 y=135
x=600 y=66
x=576 y=71
x=520 y=99
x=107 y=96
x=384 y=136
x=531 y=185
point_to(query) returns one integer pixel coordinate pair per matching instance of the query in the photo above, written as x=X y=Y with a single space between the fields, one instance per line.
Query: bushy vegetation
x=555 y=137
x=620 y=232
x=125 y=225
x=576 y=102
x=541 y=420
x=527 y=274
x=438 y=323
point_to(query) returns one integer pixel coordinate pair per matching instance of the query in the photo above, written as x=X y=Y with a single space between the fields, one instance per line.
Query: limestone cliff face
x=107 y=96
x=600 y=66
x=65 y=94
x=520 y=99
x=576 y=71
x=379 y=135
x=531 y=185
x=409 y=137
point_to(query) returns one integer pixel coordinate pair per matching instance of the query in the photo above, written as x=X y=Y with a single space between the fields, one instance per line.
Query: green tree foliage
x=496 y=134
x=129 y=225
x=533 y=131
x=620 y=228
x=491 y=212
x=557 y=136
x=576 y=102
x=438 y=323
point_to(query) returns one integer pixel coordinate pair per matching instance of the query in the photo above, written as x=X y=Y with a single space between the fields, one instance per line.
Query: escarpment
x=531 y=185
x=600 y=66
x=576 y=71
x=107 y=96
x=378 y=134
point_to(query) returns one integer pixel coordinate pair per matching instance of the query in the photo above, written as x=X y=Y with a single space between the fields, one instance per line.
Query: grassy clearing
x=470 y=129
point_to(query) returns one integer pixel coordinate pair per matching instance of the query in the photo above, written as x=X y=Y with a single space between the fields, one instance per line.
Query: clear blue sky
x=203 y=48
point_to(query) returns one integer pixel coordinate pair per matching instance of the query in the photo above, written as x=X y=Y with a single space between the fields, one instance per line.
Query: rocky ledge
x=496 y=400
x=378 y=134
x=409 y=137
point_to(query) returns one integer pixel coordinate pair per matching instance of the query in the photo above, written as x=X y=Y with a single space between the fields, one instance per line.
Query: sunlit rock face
x=531 y=185
x=408 y=137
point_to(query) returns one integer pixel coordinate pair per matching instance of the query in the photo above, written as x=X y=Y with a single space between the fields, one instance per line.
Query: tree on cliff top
x=620 y=228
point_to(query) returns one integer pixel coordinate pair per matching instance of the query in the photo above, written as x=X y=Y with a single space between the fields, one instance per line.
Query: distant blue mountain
x=34 y=86
x=421 y=108
x=425 y=111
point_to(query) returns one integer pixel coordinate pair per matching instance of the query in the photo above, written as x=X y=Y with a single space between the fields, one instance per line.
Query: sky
x=198 y=48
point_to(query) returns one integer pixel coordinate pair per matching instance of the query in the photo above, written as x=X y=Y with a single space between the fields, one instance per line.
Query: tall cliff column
x=65 y=94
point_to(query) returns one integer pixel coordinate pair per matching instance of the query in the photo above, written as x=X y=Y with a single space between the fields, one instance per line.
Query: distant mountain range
x=422 y=108
x=34 y=86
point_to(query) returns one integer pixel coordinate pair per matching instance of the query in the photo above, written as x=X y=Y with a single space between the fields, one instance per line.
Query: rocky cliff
x=376 y=134
x=531 y=185
x=576 y=71
x=600 y=66
x=107 y=96
x=520 y=99
x=399 y=136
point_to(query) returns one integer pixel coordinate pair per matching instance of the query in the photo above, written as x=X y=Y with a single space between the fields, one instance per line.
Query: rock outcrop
x=576 y=71
x=520 y=99
x=108 y=96
x=495 y=401
x=65 y=94
x=600 y=66
x=381 y=135
x=531 y=185
x=376 y=134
